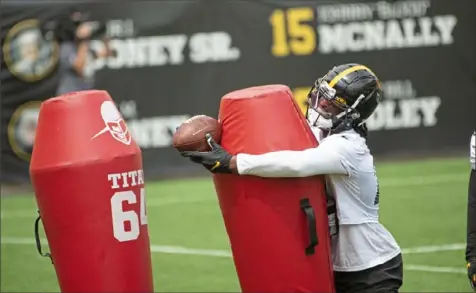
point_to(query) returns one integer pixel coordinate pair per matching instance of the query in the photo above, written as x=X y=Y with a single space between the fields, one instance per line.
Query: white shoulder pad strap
x=472 y=152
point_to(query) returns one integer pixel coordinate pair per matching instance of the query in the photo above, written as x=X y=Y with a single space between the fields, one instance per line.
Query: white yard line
x=395 y=182
x=434 y=248
x=153 y=247
x=435 y=269
x=226 y=254
x=189 y=251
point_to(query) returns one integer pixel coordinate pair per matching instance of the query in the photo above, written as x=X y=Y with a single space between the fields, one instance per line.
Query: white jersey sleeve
x=327 y=158
x=472 y=151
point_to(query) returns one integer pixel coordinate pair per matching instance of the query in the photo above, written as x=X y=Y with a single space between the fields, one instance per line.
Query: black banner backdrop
x=175 y=59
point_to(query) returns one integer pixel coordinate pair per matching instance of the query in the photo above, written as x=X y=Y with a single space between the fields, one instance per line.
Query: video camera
x=63 y=29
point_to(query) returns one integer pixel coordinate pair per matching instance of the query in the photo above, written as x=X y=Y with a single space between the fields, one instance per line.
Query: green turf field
x=423 y=203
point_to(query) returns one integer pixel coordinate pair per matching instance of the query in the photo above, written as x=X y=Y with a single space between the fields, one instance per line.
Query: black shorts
x=387 y=277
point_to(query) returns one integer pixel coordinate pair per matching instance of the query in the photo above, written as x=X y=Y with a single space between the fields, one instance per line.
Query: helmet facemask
x=323 y=100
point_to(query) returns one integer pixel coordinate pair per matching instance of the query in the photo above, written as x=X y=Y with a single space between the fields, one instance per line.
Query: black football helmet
x=346 y=96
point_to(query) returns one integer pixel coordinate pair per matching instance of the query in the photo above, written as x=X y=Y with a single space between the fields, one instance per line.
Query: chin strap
x=341 y=126
x=346 y=120
x=359 y=126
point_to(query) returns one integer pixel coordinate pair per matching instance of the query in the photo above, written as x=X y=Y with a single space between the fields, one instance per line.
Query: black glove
x=472 y=272
x=216 y=161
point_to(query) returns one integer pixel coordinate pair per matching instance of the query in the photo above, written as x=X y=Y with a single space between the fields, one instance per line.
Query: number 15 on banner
x=293 y=31
x=121 y=217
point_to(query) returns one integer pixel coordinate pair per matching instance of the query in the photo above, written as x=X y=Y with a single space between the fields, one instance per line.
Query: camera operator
x=76 y=70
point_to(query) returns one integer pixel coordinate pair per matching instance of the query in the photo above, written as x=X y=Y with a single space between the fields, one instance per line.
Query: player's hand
x=216 y=161
x=471 y=265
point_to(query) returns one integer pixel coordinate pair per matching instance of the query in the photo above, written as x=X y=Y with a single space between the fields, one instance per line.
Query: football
x=190 y=135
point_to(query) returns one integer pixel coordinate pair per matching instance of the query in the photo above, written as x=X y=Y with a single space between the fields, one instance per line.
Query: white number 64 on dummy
x=120 y=217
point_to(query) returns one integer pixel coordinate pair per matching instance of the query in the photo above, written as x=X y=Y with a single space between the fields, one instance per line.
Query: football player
x=366 y=257
x=471 y=225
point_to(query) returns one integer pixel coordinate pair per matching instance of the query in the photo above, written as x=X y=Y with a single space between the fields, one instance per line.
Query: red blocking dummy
x=87 y=174
x=268 y=230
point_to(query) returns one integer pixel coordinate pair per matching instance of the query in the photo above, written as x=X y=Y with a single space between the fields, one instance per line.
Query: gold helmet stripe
x=344 y=73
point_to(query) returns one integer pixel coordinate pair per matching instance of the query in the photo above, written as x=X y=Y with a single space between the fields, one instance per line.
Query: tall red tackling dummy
x=270 y=222
x=89 y=185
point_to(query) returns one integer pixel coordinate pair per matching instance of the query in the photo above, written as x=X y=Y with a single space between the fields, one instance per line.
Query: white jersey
x=362 y=242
